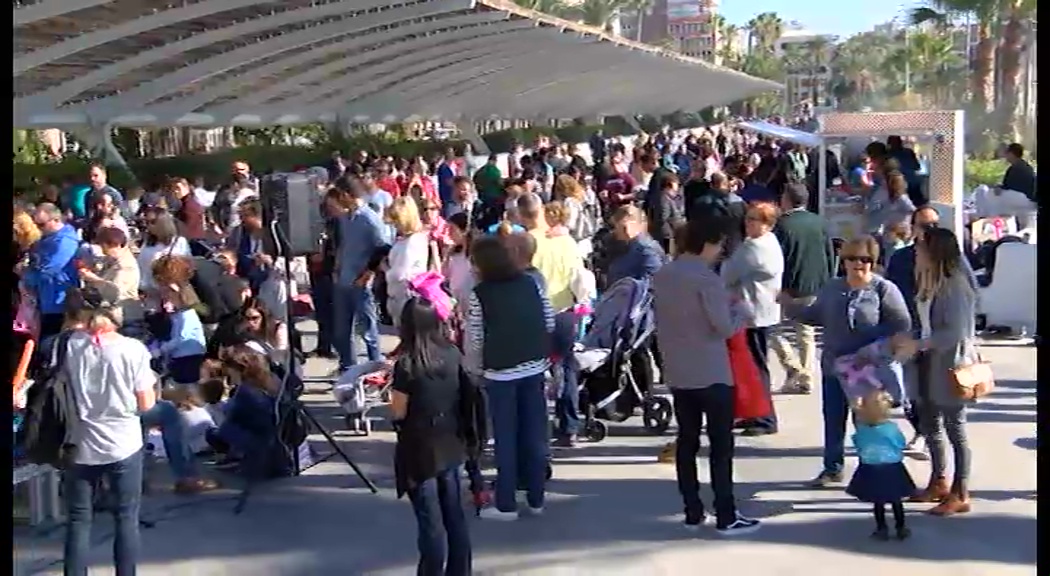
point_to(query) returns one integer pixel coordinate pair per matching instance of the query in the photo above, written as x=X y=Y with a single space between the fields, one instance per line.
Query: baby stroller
x=617 y=367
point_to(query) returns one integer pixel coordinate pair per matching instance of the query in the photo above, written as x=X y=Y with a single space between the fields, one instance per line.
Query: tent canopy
x=783 y=133
x=250 y=63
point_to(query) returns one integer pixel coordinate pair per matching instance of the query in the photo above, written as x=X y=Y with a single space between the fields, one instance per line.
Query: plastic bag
x=749 y=392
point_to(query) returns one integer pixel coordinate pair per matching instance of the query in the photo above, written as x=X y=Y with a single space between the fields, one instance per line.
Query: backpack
x=46 y=434
x=796 y=167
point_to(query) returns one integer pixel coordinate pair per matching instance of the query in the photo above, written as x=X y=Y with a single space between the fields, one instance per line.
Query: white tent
x=256 y=63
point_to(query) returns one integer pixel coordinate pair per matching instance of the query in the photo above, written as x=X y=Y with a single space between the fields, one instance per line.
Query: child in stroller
x=617 y=366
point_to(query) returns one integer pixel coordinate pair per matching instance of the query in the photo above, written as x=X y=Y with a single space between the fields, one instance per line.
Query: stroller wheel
x=596 y=431
x=656 y=414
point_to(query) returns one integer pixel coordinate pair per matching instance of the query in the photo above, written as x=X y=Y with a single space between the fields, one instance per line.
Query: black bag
x=51 y=413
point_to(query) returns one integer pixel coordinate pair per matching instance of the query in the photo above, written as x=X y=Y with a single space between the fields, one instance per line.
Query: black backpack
x=51 y=412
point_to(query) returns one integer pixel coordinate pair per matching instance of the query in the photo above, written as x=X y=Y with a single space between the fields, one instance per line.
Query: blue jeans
x=354 y=311
x=322 y=292
x=519 y=431
x=567 y=406
x=444 y=540
x=166 y=416
x=835 y=408
x=125 y=486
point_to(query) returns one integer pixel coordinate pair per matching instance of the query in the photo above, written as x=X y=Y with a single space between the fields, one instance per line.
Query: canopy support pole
x=471 y=134
x=632 y=121
x=99 y=139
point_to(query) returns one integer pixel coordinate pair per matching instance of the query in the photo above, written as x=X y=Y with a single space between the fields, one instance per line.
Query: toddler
x=881 y=477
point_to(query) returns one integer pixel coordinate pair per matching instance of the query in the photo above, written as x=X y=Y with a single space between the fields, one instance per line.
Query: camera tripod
x=289 y=403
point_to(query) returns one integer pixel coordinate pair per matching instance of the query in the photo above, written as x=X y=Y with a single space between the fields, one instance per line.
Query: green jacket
x=808 y=253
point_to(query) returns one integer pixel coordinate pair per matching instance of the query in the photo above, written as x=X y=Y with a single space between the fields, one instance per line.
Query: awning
x=783 y=133
x=251 y=63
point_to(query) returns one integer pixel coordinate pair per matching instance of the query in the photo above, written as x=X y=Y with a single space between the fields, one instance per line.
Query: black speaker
x=292 y=200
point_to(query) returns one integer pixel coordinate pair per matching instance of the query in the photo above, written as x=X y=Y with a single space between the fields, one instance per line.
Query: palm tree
x=1015 y=18
x=985 y=12
x=765 y=29
x=597 y=13
x=551 y=7
x=639 y=8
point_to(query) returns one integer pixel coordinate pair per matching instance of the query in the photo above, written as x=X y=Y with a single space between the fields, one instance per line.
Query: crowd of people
x=720 y=225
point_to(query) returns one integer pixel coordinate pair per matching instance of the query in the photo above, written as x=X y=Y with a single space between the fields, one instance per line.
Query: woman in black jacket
x=439 y=413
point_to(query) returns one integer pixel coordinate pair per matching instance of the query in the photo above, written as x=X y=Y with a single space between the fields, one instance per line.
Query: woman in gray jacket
x=854 y=311
x=946 y=305
x=753 y=273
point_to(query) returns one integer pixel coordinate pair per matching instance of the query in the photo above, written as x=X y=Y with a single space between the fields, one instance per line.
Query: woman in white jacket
x=408 y=256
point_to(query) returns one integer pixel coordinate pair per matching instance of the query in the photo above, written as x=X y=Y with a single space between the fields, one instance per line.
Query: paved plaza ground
x=614 y=510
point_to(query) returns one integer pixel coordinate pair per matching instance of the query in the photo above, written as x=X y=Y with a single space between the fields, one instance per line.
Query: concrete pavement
x=613 y=510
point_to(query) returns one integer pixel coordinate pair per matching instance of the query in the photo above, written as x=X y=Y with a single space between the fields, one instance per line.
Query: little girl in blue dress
x=881 y=478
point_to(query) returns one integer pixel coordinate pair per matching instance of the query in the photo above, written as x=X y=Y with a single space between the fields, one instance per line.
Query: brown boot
x=935 y=491
x=958 y=502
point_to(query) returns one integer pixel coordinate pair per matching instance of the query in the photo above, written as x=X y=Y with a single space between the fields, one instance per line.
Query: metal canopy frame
x=256 y=63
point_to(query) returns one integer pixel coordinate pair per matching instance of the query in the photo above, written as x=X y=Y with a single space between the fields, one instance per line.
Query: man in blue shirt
x=446 y=172
x=361 y=235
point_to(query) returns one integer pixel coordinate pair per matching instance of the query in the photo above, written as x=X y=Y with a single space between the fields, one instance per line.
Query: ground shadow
x=1002 y=407
x=1027 y=443
x=1000 y=417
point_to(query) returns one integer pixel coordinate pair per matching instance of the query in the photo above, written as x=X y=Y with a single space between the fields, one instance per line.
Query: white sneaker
x=916 y=449
x=493 y=513
x=530 y=511
x=742 y=525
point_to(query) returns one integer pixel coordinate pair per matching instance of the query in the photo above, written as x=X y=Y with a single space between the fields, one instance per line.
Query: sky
x=819 y=16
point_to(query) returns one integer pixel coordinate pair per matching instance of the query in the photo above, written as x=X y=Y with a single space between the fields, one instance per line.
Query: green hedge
x=215 y=166
x=988 y=172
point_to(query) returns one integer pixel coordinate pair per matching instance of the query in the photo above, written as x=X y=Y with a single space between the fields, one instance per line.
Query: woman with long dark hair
x=438 y=410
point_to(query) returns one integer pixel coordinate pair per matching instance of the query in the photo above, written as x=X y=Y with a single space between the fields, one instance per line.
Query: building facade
x=808 y=57
x=686 y=25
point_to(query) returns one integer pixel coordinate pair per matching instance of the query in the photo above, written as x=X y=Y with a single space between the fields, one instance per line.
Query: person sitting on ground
x=254 y=246
x=249 y=430
x=162 y=239
x=263 y=332
x=182 y=352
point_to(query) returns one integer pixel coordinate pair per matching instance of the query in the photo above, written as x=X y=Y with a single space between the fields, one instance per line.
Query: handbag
x=972 y=381
x=750 y=400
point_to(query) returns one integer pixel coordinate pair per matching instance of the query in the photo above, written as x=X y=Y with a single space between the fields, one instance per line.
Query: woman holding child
x=946 y=307
x=855 y=311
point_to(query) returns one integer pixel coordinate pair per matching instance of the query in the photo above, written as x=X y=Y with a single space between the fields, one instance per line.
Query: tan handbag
x=973 y=381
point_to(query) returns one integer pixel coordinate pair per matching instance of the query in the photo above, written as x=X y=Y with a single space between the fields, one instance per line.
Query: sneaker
x=693 y=523
x=493 y=513
x=903 y=533
x=916 y=449
x=825 y=479
x=530 y=511
x=741 y=525
x=881 y=533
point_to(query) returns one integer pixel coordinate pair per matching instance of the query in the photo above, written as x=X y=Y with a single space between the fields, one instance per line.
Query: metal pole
x=907 y=60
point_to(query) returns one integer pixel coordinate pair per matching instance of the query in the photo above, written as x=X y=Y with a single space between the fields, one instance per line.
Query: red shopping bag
x=749 y=392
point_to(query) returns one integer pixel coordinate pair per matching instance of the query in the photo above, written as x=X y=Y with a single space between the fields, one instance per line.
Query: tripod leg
x=335 y=446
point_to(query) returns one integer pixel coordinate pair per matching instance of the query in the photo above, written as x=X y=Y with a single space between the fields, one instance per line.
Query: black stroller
x=617 y=365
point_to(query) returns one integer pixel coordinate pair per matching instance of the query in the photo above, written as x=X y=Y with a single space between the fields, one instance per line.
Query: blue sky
x=838 y=17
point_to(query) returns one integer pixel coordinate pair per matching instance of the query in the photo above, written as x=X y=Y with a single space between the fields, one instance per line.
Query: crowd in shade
x=169 y=309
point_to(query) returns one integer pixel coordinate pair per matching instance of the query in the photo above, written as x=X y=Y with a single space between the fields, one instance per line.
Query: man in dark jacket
x=808 y=261
x=720 y=203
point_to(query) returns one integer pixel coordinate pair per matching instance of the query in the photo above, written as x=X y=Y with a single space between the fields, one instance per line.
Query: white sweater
x=149 y=254
x=407 y=259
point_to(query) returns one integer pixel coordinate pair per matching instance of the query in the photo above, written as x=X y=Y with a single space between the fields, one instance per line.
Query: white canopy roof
x=783 y=133
x=252 y=63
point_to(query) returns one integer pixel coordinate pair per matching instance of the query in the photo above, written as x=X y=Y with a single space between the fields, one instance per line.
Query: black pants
x=691 y=407
x=758 y=343
x=898 y=515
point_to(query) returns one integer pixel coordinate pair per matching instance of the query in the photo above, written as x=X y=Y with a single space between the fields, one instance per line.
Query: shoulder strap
x=60 y=350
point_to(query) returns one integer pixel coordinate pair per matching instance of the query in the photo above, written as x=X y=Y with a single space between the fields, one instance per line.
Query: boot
x=935 y=491
x=957 y=502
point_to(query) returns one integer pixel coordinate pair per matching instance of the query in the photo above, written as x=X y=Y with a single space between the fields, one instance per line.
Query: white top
x=149 y=254
x=242 y=195
x=105 y=378
x=407 y=259
x=460 y=275
x=197 y=422
x=923 y=308
x=205 y=197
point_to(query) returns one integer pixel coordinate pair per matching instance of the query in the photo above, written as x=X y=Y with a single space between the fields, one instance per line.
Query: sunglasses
x=861 y=259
